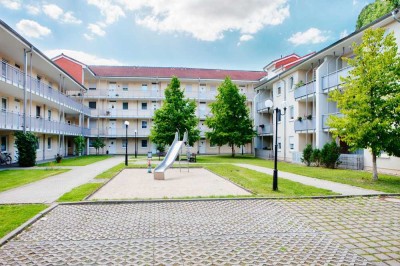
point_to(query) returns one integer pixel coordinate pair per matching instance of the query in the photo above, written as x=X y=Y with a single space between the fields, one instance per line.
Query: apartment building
x=34 y=97
x=302 y=88
x=131 y=93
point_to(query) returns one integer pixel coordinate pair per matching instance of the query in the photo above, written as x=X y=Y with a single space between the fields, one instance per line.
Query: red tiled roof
x=180 y=72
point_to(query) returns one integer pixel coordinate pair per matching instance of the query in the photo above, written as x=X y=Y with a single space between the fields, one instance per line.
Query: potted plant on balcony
x=300 y=118
x=309 y=117
x=299 y=84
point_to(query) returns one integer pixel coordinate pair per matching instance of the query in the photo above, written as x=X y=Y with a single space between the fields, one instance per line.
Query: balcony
x=14 y=76
x=325 y=119
x=120 y=94
x=121 y=113
x=260 y=106
x=14 y=121
x=119 y=132
x=264 y=129
x=304 y=90
x=304 y=125
x=334 y=79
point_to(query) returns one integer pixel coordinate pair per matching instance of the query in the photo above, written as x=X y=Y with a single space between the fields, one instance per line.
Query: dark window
x=92 y=105
x=144 y=124
x=144 y=106
x=37 y=111
x=125 y=106
x=144 y=143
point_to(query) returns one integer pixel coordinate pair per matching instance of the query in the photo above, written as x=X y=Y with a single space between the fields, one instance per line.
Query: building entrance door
x=112 y=146
x=112 y=87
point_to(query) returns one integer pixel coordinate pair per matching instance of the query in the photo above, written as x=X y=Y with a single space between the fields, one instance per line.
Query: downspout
x=59 y=116
x=336 y=66
x=284 y=122
x=30 y=91
x=25 y=83
x=311 y=69
x=255 y=112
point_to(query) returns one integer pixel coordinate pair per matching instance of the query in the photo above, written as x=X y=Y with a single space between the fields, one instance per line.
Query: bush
x=316 y=156
x=80 y=144
x=330 y=155
x=26 y=145
x=98 y=143
x=307 y=152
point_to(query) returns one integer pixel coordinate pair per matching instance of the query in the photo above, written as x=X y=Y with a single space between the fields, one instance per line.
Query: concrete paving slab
x=137 y=183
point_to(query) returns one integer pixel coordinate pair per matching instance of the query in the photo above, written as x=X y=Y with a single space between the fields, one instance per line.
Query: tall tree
x=176 y=113
x=375 y=10
x=370 y=99
x=230 y=122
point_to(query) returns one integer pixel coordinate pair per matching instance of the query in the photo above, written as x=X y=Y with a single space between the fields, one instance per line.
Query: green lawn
x=386 y=183
x=113 y=171
x=77 y=161
x=12 y=216
x=261 y=184
x=79 y=193
x=14 y=178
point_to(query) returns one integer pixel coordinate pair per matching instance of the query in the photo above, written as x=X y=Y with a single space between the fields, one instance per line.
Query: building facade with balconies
x=303 y=88
x=127 y=93
x=34 y=97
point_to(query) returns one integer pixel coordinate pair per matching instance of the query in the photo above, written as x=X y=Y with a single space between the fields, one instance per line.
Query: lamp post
x=126 y=142
x=135 y=144
x=269 y=104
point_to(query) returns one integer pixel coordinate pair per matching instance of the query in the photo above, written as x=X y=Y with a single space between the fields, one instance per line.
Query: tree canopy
x=176 y=113
x=375 y=10
x=230 y=122
x=370 y=97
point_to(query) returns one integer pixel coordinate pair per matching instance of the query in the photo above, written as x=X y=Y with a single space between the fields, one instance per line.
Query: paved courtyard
x=343 y=231
x=138 y=184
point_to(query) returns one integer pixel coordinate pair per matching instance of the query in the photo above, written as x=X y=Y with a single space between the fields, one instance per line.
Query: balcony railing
x=334 y=79
x=304 y=124
x=15 y=121
x=305 y=90
x=325 y=119
x=119 y=132
x=15 y=76
x=265 y=129
x=260 y=105
x=121 y=113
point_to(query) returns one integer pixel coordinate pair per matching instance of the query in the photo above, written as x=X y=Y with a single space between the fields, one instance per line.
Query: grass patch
x=79 y=193
x=12 y=216
x=261 y=184
x=78 y=161
x=363 y=179
x=14 y=178
x=110 y=173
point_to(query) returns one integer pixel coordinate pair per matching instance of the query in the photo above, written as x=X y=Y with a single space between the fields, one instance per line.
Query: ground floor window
x=3 y=143
x=49 y=143
x=123 y=143
x=279 y=144
x=291 y=143
x=144 y=143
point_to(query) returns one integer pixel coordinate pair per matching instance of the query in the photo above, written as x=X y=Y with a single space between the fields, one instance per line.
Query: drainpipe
x=284 y=121
x=59 y=116
x=30 y=91
x=25 y=83
x=255 y=112
x=311 y=69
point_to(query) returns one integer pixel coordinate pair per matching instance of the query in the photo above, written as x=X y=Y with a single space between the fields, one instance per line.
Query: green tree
x=79 y=144
x=176 y=113
x=375 y=10
x=230 y=122
x=98 y=143
x=307 y=154
x=370 y=99
x=330 y=154
x=26 y=143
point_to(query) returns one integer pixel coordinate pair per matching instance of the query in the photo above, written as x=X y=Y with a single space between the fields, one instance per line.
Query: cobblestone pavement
x=346 y=231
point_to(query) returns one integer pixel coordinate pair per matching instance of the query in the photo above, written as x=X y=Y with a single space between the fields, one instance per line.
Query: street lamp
x=269 y=104
x=135 y=144
x=126 y=142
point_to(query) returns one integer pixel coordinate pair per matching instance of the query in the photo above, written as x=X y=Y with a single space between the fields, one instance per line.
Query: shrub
x=26 y=145
x=98 y=143
x=307 y=152
x=330 y=155
x=80 y=144
x=316 y=156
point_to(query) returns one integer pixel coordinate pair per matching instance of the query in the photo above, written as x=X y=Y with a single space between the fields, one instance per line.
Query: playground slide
x=170 y=158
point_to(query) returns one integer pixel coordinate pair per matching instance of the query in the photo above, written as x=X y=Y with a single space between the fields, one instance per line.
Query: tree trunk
x=219 y=149
x=233 y=150
x=374 y=167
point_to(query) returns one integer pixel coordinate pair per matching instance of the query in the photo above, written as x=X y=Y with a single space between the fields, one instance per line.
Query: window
x=144 y=143
x=123 y=143
x=37 y=144
x=91 y=140
x=279 y=90
x=291 y=112
x=49 y=115
x=291 y=83
x=144 y=106
x=92 y=105
x=291 y=143
x=3 y=104
x=49 y=143
x=3 y=140
x=92 y=86
x=154 y=86
x=279 y=144
x=242 y=88
x=144 y=87
x=144 y=124
x=3 y=68
x=279 y=118
x=125 y=106
x=37 y=111
x=125 y=87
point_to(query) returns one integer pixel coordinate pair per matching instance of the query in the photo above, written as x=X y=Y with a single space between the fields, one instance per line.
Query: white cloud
x=30 y=28
x=344 y=34
x=83 y=57
x=88 y=36
x=205 y=20
x=33 y=10
x=109 y=9
x=96 y=29
x=310 y=36
x=57 y=13
x=245 y=38
x=11 y=4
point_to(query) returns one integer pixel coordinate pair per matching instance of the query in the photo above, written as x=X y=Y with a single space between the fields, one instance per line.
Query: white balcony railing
x=304 y=124
x=334 y=79
x=121 y=113
x=264 y=129
x=111 y=132
x=304 y=90
x=15 y=121
x=14 y=76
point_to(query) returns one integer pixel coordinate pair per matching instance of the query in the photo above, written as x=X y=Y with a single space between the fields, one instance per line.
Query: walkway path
x=315 y=182
x=50 y=189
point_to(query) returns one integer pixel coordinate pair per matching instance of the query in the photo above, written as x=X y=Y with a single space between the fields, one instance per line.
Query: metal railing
x=260 y=105
x=296 y=157
x=265 y=154
x=304 y=90
x=304 y=124
x=267 y=129
x=110 y=132
x=325 y=119
x=114 y=113
x=351 y=161
x=14 y=76
x=334 y=79
x=15 y=121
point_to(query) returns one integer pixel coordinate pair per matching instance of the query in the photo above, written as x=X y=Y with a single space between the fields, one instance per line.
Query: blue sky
x=225 y=34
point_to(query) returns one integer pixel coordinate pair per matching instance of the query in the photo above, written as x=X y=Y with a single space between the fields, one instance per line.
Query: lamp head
x=126 y=123
x=269 y=104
